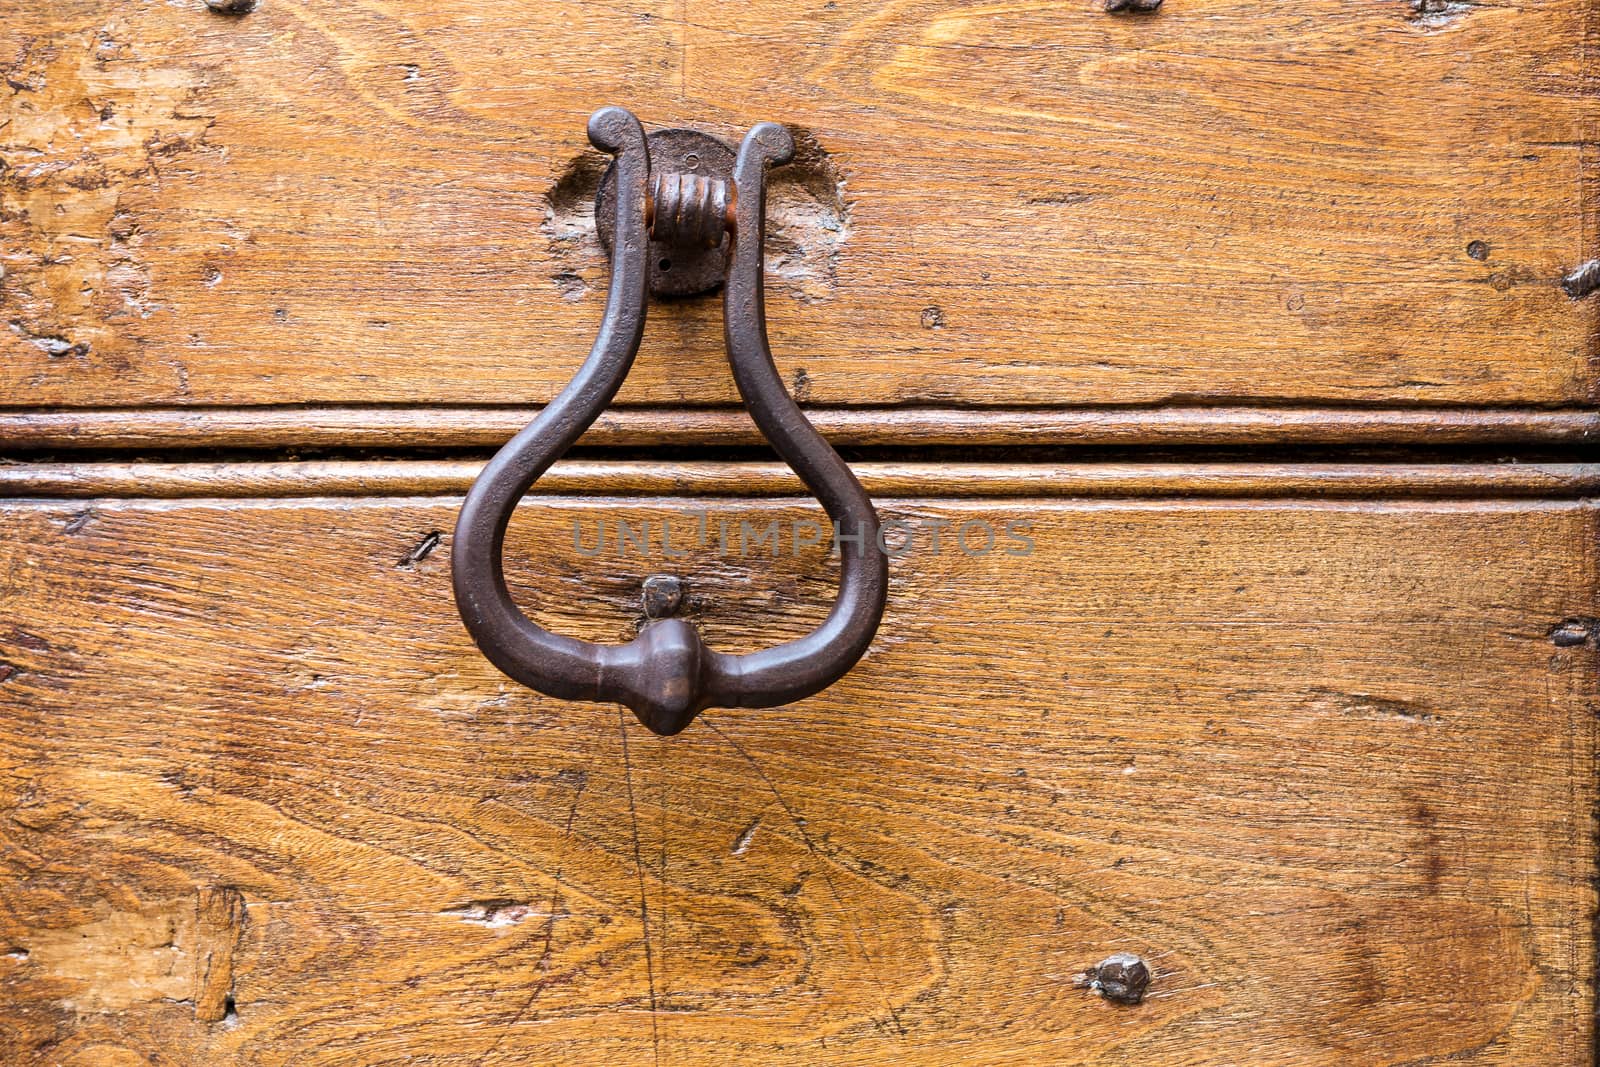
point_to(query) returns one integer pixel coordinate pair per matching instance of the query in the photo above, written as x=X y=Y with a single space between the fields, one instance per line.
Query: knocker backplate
x=677 y=271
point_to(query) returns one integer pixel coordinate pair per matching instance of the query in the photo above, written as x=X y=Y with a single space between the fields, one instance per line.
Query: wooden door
x=1242 y=355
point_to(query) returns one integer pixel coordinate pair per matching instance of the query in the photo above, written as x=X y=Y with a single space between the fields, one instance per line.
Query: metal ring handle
x=667 y=675
x=811 y=663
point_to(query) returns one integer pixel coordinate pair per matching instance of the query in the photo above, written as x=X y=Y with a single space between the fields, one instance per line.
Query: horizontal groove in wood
x=721 y=479
x=478 y=427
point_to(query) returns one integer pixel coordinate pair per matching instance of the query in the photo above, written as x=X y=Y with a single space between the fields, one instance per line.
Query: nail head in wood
x=1583 y=280
x=1121 y=978
x=663 y=596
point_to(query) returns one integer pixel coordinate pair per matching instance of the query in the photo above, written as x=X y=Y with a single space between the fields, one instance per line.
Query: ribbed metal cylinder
x=690 y=209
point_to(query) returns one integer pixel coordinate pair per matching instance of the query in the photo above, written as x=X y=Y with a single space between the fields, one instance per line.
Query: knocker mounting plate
x=682 y=263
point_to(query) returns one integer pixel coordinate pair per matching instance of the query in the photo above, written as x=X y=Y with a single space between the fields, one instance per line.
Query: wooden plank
x=1329 y=767
x=1031 y=203
x=485 y=427
x=1338 y=481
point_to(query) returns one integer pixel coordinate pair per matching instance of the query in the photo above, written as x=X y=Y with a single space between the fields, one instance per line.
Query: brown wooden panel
x=1041 y=203
x=1327 y=481
x=482 y=427
x=1329 y=767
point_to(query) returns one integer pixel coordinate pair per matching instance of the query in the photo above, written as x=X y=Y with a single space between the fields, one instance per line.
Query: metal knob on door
x=700 y=221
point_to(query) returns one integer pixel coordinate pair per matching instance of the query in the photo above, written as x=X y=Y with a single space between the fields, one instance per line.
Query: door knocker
x=696 y=221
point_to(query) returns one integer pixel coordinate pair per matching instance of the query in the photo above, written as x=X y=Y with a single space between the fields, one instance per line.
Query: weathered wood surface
x=266 y=428
x=1041 y=203
x=1334 y=481
x=1330 y=767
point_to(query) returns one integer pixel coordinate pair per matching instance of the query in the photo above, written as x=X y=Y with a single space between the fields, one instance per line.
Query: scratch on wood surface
x=663 y=922
x=79 y=521
x=683 y=50
x=741 y=844
x=833 y=890
x=496 y=913
x=579 y=782
x=421 y=550
x=638 y=864
x=1366 y=705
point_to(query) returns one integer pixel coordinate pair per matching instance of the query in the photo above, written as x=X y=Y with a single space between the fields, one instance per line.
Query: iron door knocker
x=680 y=233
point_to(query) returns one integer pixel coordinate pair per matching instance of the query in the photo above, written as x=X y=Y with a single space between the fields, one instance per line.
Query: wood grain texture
x=1041 y=204
x=1330 y=767
x=266 y=428
x=1339 y=481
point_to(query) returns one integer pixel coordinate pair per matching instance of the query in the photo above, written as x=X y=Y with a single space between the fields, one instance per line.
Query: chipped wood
x=220 y=920
x=135 y=952
x=1582 y=280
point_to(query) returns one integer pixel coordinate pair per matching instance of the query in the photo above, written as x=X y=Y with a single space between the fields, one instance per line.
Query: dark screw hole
x=665 y=265
x=691 y=161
